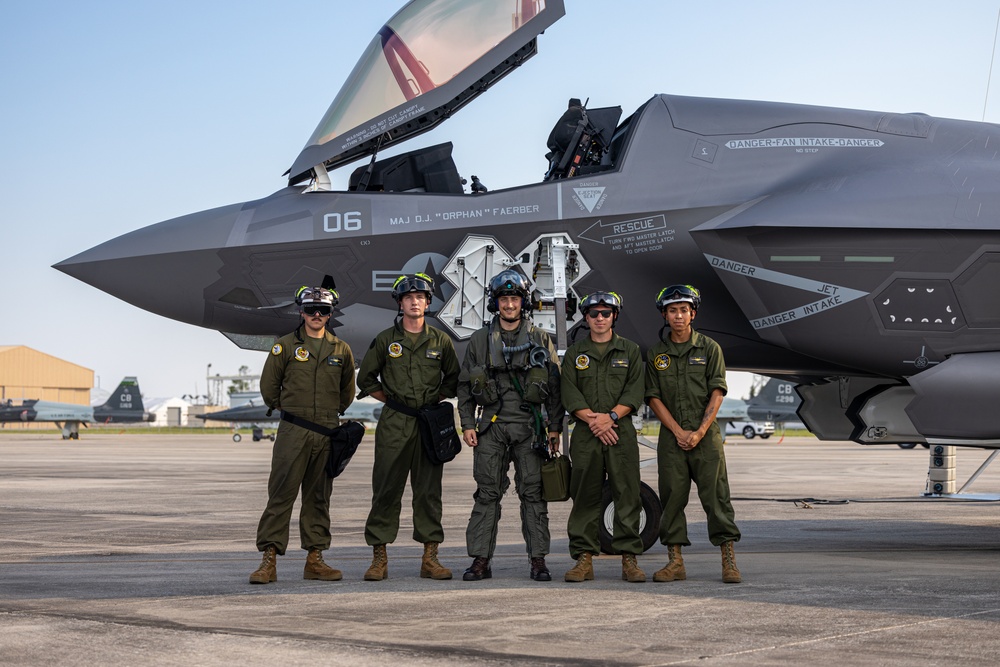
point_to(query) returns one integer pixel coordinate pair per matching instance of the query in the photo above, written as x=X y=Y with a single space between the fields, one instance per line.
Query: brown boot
x=583 y=570
x=268 y=570
x=379 y=568
x=430 y=566
x=630 y=570
x=317 y=569
x=730 y=573
x=674 y=569
x=539 y=571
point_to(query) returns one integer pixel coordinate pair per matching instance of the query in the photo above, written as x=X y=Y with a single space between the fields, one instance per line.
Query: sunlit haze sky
x=117 y=115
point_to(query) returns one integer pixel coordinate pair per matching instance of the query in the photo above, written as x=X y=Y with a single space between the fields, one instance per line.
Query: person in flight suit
x=310 y=375
x=685 y=385
x=509 y=373
x=602 y=383
x=409 y=365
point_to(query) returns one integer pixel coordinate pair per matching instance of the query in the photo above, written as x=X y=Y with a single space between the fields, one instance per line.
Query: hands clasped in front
x=603 y=426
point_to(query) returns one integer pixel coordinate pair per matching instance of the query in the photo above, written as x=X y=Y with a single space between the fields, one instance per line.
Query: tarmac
x=127 y=549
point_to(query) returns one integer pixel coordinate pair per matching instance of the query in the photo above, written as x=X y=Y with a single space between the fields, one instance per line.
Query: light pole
x=208 y=386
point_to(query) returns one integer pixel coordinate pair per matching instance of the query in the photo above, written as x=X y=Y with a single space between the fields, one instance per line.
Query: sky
x=116 y=115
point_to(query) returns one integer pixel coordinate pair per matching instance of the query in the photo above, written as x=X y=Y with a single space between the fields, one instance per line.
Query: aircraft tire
x=237 y=437
x=748 y=432
x=907 y=445
x=649 y=521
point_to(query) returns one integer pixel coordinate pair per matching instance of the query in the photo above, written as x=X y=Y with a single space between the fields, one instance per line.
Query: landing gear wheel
x=237 y=437
x=649 y=518
x=907 y=445
x=748 y=432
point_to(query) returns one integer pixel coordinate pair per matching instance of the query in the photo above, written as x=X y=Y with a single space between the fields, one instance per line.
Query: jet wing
x=429 y=60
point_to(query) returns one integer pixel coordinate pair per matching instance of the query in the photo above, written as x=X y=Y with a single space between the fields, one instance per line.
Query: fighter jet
x=855 y=253
x=124 y=406
x=256 y=412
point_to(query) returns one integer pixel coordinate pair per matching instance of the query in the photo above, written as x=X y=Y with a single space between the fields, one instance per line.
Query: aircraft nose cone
x=164 y=268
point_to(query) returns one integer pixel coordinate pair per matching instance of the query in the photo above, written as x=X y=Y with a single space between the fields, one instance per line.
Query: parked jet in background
x=124 y=406
x=255 y=412
x=776 y=402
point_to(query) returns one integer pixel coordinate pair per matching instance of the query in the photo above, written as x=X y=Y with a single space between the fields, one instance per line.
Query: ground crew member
x=685 y=385
x=602 y=384
x=510 y=375
x=412 y=365
x=309 y=375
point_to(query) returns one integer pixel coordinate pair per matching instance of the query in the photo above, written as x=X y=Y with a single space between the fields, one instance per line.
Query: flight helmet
x=678 y=294
x=509 y=283
x=316 y=296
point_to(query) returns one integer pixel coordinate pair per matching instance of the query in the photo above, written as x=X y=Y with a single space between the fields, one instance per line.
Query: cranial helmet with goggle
x=311 y=299
x=509 y=283
x=612 y=300
x=678 y=294
x=418 y=282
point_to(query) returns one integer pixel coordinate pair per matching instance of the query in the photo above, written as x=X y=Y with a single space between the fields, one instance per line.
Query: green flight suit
x=312 y=378
x=600 y=382
x=683 y=376
x=414 y=373
x=506 y=432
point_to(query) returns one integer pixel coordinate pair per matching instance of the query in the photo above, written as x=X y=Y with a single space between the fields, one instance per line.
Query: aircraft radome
x=855 y=253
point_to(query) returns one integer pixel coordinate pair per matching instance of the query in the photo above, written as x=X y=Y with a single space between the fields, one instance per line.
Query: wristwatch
x=614 y=416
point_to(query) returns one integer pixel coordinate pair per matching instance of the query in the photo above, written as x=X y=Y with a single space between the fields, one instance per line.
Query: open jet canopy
x=427 y=61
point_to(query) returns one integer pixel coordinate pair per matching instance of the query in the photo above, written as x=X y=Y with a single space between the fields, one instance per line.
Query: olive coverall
x=599 y=382
x=414 y=370
x=311 y=378
x=683 y=376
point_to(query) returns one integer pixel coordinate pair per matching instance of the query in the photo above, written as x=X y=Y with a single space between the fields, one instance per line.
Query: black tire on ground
x=649 y=519
x=907 y=445
x=765 y=436
x=748 y=432
x=237 y=437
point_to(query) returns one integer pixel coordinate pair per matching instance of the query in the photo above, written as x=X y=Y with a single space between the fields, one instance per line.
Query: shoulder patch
x=276 y=350
x=661 y=362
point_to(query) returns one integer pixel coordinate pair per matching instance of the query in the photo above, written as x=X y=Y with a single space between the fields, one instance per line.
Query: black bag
x=555 y=479
x=344 y=441
x=438 y=433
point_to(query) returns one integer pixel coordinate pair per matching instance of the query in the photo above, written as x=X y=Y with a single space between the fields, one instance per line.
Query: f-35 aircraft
x=124 y=406
x=854 y=253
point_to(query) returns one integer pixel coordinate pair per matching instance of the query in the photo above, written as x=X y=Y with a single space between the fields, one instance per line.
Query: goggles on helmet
x=418 y=282
x=678 y=294
x=612 y=299
x=316 y=296
x=508 y=283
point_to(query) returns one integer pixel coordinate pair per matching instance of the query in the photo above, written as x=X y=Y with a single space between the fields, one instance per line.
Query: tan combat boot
x=317 y=569
x=583 y=570
x=268 y=570
x=630 y=570
x=730 y=573
x=379 y=568
x=674 y=569
x=430 y=566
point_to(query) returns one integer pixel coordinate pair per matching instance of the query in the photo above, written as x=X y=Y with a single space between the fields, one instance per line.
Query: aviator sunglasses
x=606 y=314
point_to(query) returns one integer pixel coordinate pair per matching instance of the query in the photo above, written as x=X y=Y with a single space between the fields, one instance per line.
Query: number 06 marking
x=346 y=222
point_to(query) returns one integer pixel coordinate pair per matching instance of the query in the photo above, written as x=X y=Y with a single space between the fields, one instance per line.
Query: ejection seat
x=579 y=142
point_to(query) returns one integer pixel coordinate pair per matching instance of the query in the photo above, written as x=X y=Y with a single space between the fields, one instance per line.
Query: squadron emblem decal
x=301 y=354
x=276 y=349
x=582 y=362
x=661 y=362
x=395 y=350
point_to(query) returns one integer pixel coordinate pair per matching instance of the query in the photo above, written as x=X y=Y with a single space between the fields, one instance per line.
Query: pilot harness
x=530 y=356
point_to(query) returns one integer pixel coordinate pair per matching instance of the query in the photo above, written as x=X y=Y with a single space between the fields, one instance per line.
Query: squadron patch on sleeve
x=301 y=354
x=582 y=362
x=276 y=350
x=661 y=362
x=395 y=350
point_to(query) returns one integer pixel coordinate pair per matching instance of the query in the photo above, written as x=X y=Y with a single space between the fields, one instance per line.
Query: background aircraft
x=777 y=401
x=852 y=252
x=124 y=406
x=255 y=412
